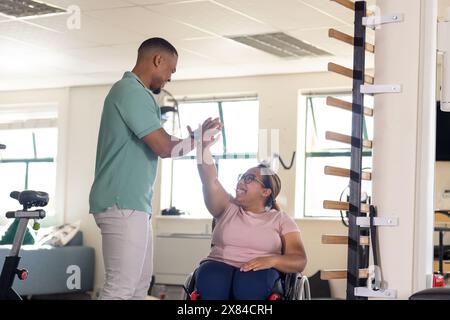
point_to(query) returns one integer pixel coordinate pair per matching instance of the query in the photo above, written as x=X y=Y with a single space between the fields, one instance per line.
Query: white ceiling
x=42 y=52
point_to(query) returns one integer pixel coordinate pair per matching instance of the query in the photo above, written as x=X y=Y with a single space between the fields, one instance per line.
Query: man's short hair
x=157 y=43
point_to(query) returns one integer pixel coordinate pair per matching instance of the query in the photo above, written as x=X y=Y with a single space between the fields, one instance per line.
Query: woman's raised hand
x=209 y=132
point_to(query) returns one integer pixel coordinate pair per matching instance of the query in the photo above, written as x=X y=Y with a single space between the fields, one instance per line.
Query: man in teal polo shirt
x=130 y=141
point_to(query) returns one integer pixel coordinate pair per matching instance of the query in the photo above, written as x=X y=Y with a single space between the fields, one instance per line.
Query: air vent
x=280 y=44
x=26 y=8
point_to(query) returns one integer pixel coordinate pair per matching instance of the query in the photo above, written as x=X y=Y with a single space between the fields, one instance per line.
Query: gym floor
x=168 y=292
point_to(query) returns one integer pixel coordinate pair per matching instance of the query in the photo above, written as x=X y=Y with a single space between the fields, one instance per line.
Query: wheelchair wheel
x=289 y=286
x=297 y=287
x=188 y=287
x=302 y=288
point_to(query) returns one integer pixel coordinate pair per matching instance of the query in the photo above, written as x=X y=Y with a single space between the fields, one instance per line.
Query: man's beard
x=156 y=91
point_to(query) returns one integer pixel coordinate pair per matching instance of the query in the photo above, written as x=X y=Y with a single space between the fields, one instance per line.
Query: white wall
x=86 y=105
x=404 y=132
x=278 y=96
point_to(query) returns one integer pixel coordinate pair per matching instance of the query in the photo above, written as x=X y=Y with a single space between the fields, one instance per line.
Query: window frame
x=346 y=152
x=45 y=115
x=27 y=161
x=216 y=157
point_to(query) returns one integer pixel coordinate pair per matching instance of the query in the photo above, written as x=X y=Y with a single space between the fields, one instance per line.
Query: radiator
x=177 y=255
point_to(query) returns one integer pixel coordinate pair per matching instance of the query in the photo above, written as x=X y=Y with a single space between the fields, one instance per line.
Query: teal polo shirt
x=125 y=168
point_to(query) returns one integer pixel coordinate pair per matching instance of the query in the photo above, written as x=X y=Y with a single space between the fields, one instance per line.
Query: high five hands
x=208 y=133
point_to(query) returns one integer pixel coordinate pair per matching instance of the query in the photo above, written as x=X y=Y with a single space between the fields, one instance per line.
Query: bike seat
x=30 y=198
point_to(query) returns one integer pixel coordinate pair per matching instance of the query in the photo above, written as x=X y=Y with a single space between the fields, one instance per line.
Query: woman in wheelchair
x=253 y=241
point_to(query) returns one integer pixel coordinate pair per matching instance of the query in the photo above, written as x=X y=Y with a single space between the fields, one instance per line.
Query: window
x=319 y=152
x=29 y=160
x=233 y=153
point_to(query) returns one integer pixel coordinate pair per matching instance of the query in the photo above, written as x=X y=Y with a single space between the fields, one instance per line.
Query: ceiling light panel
x=281 y=45
x=26 y=8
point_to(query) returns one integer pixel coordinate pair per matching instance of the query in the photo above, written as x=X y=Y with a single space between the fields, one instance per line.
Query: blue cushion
x=77 y=240
x=51 y=268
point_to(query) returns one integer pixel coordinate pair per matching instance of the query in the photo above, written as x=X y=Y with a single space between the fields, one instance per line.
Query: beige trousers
x=127 y=247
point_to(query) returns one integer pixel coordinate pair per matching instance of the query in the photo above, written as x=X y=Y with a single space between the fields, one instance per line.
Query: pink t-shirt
x=240 y=236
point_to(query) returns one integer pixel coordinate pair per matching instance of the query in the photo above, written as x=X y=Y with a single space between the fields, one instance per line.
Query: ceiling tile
x=17 y=58
x=218 y=19
x=87 y=5
x=39 y=37
x=227 y=51
x=42 y=52
x=192 y=59
x=292 y=14
x=91 y=29
x=335 y=10
x=4 y=18
x=159 y=2
x=104 y=58
x=150 y=24
x=257 y=68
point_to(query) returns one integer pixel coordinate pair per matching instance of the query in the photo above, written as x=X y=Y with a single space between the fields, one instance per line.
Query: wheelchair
x=290 y=286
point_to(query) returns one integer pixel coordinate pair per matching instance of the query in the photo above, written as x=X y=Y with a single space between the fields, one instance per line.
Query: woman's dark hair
x=271 y=181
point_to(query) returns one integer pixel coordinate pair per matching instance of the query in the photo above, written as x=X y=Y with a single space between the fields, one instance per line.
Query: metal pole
x=353 y=257
x=18 y=238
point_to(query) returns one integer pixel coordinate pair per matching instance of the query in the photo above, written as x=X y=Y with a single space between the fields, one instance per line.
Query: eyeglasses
x=250 y=177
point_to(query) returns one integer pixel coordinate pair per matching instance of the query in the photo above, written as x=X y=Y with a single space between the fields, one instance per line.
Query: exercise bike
x=27 y=199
